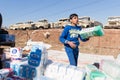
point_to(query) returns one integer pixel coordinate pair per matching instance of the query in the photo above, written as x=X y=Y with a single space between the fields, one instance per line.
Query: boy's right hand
x=72 y=45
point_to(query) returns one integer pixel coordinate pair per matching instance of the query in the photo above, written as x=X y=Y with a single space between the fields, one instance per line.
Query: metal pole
x=0 y=20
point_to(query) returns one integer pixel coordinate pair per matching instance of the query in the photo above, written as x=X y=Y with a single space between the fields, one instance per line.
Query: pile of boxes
x=26 y=68
x=35 y=66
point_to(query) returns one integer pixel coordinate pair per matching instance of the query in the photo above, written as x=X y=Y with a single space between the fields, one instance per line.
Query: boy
x=70 y=39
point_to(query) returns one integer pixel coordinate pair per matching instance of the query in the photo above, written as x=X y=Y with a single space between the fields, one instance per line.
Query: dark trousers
x=72 y=55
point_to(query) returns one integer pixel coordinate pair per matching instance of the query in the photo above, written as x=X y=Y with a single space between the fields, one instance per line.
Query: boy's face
x=74 y=20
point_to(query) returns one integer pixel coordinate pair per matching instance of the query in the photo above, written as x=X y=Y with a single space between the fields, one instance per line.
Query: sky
x=14 y=11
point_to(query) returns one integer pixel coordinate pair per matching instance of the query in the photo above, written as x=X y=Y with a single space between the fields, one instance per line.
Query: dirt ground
x=106 y=45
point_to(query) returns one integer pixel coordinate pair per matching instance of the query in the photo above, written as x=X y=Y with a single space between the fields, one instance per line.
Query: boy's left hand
x=72 y=44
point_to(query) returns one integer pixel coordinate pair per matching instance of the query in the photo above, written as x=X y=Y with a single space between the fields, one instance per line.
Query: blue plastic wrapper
x=35 y=56
x=27 y=71
x=7 y=38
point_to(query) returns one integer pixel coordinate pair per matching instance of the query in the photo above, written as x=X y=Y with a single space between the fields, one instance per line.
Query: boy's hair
x=73 y=15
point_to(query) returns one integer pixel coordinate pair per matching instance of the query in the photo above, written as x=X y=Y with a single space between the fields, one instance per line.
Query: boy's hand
x=88 y=38
x=71 y=44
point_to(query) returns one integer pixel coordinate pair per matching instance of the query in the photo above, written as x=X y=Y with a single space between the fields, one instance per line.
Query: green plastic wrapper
x=97 y=74
x=93 y=73
x=93 y=31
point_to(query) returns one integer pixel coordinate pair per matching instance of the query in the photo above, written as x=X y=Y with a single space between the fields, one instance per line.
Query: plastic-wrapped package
x=4 y=73
x=70 y=72
x=35 y=58
x=38 y=59
x=52 y=70
x=93 y=31
x=111 y=68
x=79 y=74
x=16 y=54
x=60 y=71
x=93 y=73
x=38 y=55
x=16 y=67
x=27 y=71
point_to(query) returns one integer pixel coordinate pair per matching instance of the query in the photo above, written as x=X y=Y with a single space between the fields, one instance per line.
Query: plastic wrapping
x=60 y=71
x=93 y=31
x=93 y=73
x=111 y=68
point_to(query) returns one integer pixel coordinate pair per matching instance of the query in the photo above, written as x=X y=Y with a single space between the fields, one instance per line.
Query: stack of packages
x=111 y=68
x=38 y=60
x=14 y=64
x=93 y=73
x=58 y=71
x=27 y=69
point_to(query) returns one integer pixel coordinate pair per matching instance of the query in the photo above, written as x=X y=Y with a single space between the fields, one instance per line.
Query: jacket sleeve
x=63 y=36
